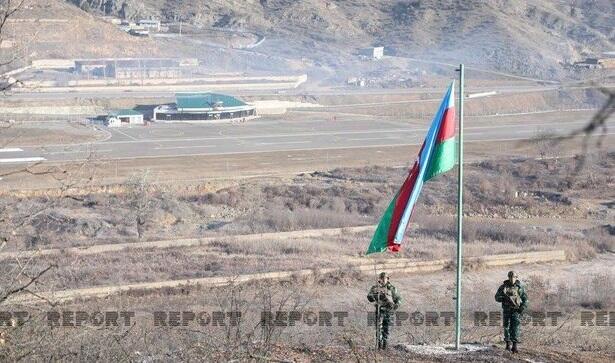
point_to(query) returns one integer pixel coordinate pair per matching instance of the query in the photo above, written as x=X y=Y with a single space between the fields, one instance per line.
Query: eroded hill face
x=528 y=37
x=55 y=29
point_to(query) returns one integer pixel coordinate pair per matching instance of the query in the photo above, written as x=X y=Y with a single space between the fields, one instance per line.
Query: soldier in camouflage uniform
x=386 y=300
x=514 y=301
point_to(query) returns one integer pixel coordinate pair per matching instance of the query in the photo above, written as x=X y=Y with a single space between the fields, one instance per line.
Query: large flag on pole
x=437 y=155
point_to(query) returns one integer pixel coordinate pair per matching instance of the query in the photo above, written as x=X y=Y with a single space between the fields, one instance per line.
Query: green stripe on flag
x=442 y=160
x=379 y=241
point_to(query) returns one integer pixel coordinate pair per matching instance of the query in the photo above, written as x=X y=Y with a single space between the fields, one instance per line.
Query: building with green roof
x=203 y=107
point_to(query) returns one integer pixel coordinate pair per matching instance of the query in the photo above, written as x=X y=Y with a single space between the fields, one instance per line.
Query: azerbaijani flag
x=437 y=155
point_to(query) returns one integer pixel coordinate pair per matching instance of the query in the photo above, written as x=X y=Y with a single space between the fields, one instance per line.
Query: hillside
x=54 y=29
x=525 y=37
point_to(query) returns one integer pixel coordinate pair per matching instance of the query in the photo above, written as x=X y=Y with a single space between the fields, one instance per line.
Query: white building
x=373 y=53
x=377 y=52
x=150 y=24
x=124 y=118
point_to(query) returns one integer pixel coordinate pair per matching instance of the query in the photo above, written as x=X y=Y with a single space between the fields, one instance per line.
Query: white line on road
x=10 y=150
x=375 y=138
x=413 y=129
x=307 y=149
x=125 y=134
x=182 y=147
x=284 y=142
x=78 y=151
x=22 y=160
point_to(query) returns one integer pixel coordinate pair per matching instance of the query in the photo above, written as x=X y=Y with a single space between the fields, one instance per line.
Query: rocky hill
x=528 y=37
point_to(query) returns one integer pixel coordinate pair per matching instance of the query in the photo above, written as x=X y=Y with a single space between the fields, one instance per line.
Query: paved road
x=312 y=132
x=118 y=93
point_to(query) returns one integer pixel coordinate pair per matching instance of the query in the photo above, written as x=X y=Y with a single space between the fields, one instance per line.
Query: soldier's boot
x=514 y=347
x=384 y=344
x=508 y=346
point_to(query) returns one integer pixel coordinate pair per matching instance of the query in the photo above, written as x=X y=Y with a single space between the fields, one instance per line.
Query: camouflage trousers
x=512 y=325
x=384 y=321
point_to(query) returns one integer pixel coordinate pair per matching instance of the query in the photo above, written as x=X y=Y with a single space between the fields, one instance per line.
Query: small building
x=595 y=63
x=377 y=52
x=357 y=82
x=373 y=53
x=204 y=107
x=133 y=68
x=124 y=118
x=150 y=24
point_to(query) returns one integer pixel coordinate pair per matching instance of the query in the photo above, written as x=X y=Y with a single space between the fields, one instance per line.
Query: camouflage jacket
x=386 y=296
x=512 y=296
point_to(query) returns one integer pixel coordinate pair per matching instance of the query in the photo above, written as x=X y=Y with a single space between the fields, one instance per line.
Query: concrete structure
x=399 y=266
x=63 y=64
x=124 y=118
x=203 y=107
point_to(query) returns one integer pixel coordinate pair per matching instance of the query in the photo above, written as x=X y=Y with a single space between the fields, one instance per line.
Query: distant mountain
x=529 y=37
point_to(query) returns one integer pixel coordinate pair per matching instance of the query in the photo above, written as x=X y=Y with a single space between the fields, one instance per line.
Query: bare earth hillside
x=526 y=37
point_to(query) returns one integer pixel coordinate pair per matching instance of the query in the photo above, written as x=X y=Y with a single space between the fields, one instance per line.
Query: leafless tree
x=19 y=278
x=597 y=126
x=21 y=275
x=8 y=8
x=140 y=199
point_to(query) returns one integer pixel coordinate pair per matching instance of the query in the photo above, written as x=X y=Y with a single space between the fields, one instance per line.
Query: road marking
x=182 y=147
x=78 y=151
x=10 y=150
x=376 y=138
x=307 y=149
x=536 y=112
x=322 y=133
x=284 y=142
x=22 y=160
x=125 y=134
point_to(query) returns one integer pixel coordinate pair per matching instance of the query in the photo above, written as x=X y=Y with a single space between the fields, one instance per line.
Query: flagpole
x=459 y=212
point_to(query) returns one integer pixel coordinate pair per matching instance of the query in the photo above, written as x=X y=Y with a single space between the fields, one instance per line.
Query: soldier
x=514 y=301
x=386 y=300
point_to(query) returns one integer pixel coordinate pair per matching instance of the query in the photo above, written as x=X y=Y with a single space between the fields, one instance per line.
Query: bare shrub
x=139 y=199
x=602 y=238
x=281 y=220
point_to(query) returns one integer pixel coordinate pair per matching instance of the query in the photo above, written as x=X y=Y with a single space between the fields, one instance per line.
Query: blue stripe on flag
x=424 y=160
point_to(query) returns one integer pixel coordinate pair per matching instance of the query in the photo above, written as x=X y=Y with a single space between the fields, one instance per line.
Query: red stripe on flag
x=447 y=126
x=400 y=205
